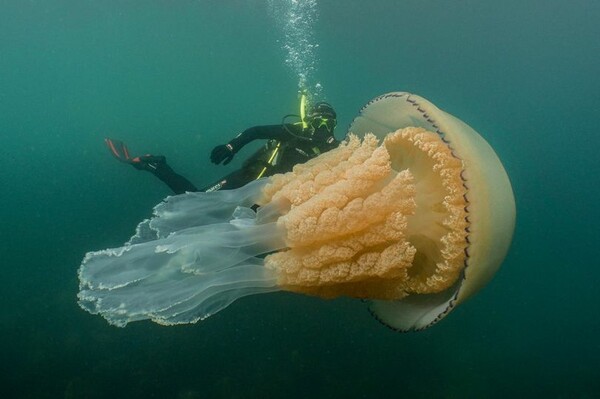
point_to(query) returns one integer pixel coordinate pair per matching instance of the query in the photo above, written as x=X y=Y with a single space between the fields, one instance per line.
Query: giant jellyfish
x=414 y=213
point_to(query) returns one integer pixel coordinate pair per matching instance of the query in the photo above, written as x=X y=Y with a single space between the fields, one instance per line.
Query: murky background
x=178 y=78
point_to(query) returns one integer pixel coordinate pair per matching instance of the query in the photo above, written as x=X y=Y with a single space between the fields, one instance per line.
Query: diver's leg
x=157 y=165
x=233 y=180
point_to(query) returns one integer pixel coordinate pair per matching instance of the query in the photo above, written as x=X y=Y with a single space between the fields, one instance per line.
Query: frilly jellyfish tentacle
x=177 y=213
x=201 y=259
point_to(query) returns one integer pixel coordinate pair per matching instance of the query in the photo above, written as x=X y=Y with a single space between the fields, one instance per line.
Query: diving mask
x=317 y=122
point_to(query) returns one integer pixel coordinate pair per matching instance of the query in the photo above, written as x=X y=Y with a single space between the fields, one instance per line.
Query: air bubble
x=296 y=19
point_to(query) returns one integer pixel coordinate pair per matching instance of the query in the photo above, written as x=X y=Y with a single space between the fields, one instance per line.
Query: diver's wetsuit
x=287 y=146
x=164 y=172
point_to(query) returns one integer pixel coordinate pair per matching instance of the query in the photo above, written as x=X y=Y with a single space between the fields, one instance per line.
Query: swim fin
x=119 y=150
x=149 y=162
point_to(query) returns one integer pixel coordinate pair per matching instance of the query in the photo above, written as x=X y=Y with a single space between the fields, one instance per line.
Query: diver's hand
x=222 y=153
x=148 y=162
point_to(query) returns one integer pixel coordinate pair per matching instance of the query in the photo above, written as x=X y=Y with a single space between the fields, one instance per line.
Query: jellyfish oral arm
x=198 y=254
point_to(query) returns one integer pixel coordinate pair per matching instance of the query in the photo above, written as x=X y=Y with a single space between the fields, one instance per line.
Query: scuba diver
x=288 y=144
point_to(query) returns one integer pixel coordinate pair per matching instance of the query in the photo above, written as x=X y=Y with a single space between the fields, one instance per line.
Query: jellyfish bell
x=414 y=212
x=489 y=204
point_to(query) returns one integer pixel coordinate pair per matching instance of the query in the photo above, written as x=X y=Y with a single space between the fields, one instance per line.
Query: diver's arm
x=225 y=152
x=267 y=132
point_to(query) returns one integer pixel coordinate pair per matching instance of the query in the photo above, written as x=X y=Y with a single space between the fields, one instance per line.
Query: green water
x=178 y=78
